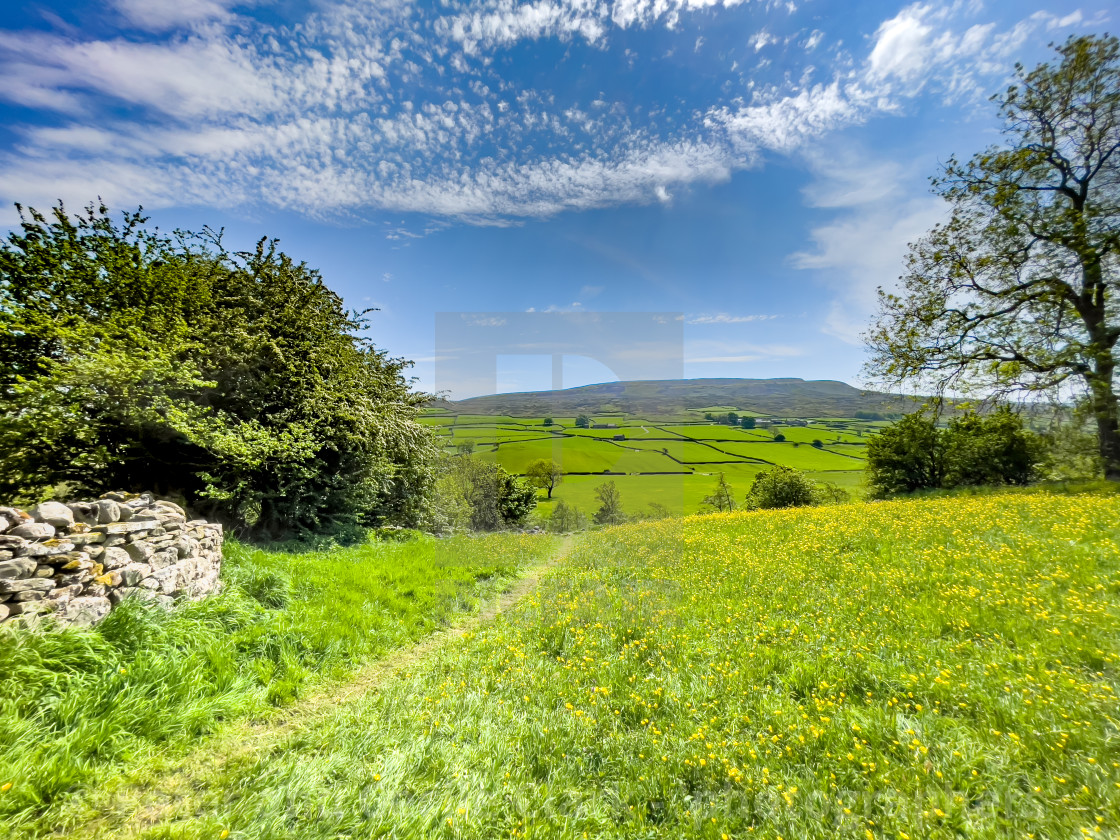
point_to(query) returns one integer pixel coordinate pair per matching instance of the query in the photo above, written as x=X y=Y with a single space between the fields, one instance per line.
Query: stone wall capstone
x=78 y=560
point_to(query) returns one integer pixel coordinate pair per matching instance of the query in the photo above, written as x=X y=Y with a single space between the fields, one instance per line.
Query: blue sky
x=757 y=166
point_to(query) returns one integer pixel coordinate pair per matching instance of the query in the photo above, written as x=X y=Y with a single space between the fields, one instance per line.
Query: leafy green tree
x=544 y=473
x=906 y=456
x=547 y=421
x=991 y=450
x=722 y=498
x=610 y=505
x=465 y=447
x=491 y=498
x=565 y=518
x=779 y=437
x=780 y=487
x=732 y=419
x=817 y=444
x=747 y=422
x=583 y=422
x=238 y=381
x=1017 y=290
x=829 y=494
x=914 y=454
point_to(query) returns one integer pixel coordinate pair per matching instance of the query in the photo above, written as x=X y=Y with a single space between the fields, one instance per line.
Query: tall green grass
x=78 y=704
x=942 y=669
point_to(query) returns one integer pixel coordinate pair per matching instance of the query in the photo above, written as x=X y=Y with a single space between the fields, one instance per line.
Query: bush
x=566 y=518
x=906 y=456
x=610 y=505
x=780 y=487
x=237 y=381
x=478 y=495
x=993 y=449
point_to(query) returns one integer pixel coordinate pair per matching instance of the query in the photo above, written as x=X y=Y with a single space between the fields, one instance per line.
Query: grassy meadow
x=77 y=706
x=674 y=461
x=929 y=668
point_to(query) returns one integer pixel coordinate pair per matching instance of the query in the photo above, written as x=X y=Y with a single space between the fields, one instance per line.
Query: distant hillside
x=667 y=397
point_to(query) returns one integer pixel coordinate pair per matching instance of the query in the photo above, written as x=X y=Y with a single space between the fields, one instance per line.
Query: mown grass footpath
x=78 y=706
x=935 y=668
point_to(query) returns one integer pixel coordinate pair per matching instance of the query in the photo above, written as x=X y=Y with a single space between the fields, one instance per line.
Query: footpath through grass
x=78 y=706
x=920 y=669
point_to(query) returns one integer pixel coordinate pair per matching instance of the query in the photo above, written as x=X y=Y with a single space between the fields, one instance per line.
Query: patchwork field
x=670 y=463
x=937 y=668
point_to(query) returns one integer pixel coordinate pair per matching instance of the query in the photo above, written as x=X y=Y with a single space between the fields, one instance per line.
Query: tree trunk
x=1103 y=401
x=550 y=491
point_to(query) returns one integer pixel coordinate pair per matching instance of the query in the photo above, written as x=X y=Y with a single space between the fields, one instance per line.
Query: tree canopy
x=130 y=359
x=1016 y=291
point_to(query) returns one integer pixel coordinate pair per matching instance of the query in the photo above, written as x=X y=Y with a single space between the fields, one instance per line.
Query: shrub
x=990 y=450
x=780 y=487
x=906 y=456
x=237 y=381
x=566 y=518
x=913 y=454
x=610 y=505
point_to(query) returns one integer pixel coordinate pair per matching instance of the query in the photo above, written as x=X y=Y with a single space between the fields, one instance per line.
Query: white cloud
x=864 y=246
x=724 y=318
x=162 y=15
x=315 y=117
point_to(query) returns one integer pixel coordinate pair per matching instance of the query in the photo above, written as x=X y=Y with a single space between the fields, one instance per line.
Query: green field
x=650 y=447
x=938 y=668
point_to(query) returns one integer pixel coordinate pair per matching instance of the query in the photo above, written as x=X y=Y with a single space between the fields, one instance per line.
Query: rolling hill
x=668 y=397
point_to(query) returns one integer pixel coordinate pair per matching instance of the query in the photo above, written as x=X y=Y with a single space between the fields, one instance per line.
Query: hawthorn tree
x=544 y=474
x=722 y=499
x=1016 y=291
x=240 y=382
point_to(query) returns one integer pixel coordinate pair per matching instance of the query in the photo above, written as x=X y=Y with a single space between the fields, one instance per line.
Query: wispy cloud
x=375 y=106
x=724 y=318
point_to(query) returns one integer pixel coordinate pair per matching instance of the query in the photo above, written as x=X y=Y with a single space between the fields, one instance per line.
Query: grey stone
x=99 y=590
x=6 y=555
x=53 y=513
x=171 y=507
x=9 y=586
x=114 y=557
x=80 y=578
x=107 y=511
x=13 y=517
x=85 y=513
x=44 y=571
x=94 y=551
x=115 y=539
x=5 y=611
x=133 y=573
x=139 y=552
x=87 y=610
x=65 y=592
x=164 y=558
x=19 y=568
x=149 y=583
x=77 y=563
x=35 y=530
x=31 y=608
x=30 y=595
x=125 y=527
x=86 y=538
x=124 y=513
x=168 y=580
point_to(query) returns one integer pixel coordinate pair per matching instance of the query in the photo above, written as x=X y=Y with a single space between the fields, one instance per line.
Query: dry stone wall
x=77 y=561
